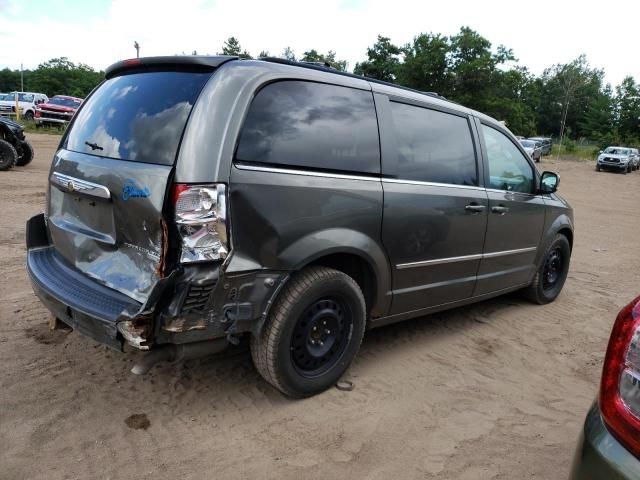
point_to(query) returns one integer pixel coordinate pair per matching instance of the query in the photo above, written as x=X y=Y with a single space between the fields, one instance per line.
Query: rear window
x=312 y=125
x=433 y=146
x=138 y=117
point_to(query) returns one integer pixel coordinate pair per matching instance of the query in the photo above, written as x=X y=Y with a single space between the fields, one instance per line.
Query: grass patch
x=31 y=127
x=575 y=152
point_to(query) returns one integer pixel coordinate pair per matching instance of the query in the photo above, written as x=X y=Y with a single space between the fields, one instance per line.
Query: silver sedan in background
x=533 y=148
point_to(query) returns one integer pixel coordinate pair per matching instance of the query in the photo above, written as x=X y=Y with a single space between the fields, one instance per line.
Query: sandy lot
x=495 y=390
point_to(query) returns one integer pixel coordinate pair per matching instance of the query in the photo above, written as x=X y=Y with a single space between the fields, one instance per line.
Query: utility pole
x=136 y=45
x=21 y=80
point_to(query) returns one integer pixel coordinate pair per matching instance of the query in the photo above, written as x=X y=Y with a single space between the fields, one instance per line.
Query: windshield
x=528 y=144
x=64 y=102
x=617 y=151
x=138 y=117
x=22 y=97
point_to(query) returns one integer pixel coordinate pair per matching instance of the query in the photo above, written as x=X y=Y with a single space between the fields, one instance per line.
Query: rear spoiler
x=175 y=62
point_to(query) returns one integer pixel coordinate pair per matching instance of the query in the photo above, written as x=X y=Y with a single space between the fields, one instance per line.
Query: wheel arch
x=352 y=252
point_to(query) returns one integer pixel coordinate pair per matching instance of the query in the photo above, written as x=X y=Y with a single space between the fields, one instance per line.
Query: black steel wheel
x=320 y=336
x=312 y=333
x=552 y=272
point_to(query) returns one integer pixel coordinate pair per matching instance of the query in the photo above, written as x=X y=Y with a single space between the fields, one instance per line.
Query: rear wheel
x=313 y=332
x=25 y=154
x=8 y=155
x=552 y=272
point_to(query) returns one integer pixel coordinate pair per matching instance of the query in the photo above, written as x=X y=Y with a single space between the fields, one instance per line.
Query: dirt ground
x=494 y=390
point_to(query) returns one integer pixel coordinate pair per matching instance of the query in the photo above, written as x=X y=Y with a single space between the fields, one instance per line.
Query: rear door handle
x=501 y=209
x=474 y=208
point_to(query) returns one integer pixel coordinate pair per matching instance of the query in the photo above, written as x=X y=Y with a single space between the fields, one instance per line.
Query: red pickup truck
x=58 y=110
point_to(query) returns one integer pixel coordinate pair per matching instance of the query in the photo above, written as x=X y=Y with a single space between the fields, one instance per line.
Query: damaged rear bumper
x=192 y=304
x=87 y=306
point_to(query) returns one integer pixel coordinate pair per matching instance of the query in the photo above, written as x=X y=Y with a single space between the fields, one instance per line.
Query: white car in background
x=27 y=102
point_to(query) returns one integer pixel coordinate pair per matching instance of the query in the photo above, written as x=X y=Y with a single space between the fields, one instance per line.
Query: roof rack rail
x=328 y=68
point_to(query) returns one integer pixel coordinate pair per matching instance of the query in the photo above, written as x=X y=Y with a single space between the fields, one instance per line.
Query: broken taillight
x=201 y=219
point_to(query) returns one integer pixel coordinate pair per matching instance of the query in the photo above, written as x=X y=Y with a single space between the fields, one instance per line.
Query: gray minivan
x=195 y=200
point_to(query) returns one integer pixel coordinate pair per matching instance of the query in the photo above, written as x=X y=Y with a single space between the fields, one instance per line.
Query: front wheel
x=552 y=272
x=312 y=334
x=597 y=168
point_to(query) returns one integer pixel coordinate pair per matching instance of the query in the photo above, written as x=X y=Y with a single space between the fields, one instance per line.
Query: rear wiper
x=94 y=146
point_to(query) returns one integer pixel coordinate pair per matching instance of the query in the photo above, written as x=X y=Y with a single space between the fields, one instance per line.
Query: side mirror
x=549 y=182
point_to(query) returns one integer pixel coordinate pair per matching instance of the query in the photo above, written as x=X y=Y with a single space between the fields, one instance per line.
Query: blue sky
x=100 y=32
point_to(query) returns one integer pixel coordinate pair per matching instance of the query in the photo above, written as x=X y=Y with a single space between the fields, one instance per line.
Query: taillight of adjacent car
x=201 y=220
x=620 y=386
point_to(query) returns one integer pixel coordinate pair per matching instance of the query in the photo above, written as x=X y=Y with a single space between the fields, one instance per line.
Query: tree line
x=571 y=97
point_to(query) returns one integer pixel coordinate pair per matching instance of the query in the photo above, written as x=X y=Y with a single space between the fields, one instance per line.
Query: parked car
x=609 y=445
x=57 y=111
x=27 y=103
x=194 y=200
x=616 y=158
x=636 y=158
x=14 y=147
x=546 y=142
x=533 y=149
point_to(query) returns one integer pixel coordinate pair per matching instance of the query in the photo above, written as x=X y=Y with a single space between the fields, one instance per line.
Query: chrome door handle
x=501 y=209
x=474 y=208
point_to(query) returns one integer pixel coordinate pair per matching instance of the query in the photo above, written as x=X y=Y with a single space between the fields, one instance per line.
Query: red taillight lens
x=620 y=387
x=201 y=219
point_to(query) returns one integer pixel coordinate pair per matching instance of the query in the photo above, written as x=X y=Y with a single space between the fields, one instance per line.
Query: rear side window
x=311 y=125
x=433 y=146
x=138 y=117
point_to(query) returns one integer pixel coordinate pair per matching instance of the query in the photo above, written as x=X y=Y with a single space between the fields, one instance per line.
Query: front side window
x=433 y=146
x=311 y=125
x=508 y=168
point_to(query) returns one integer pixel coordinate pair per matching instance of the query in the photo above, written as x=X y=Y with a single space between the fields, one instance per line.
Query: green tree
x=570 y=92
x=628 y=109
x=10 y=79
x=474 y=68
x=426 y=64
x=288 y=54
x=61 y=76
x=231 y=47
x=328 y=58
x=382 y=61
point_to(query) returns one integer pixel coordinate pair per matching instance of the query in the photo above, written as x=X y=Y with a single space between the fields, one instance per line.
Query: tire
x=288 y=352
x=8 y=155
x=28 y=116
x=597 y=167
x=552 y=272
x=25 y=154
